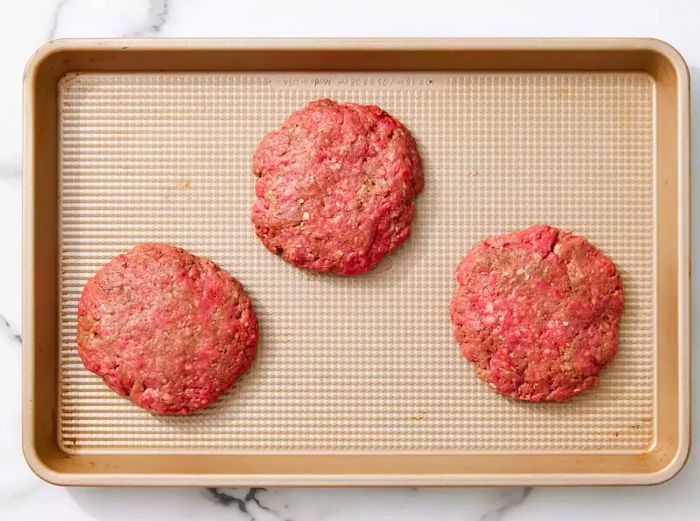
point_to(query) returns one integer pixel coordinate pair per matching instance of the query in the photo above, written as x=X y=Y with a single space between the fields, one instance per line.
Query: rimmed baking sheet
x=367 y=365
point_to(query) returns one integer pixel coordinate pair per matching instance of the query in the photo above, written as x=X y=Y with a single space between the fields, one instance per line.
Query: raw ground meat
x=171 y=330
x=537 y=311
x=336 y=187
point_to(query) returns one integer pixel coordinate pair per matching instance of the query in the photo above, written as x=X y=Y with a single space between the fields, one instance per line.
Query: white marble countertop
x=26 y=25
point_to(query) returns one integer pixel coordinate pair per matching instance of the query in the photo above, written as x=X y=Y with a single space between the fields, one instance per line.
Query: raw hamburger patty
x=336 y=187
x=171 y=330
x=537 y=311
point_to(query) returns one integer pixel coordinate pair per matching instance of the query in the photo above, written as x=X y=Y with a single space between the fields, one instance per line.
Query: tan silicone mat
x=365 y=363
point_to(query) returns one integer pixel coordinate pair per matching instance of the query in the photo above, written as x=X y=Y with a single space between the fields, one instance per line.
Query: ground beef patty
x=171 y=330
x=537 y=311
x=336 y=187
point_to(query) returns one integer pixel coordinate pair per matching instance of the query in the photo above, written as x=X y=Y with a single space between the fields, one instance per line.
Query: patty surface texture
x=537 y=311
x=171 y=330
x=336 y=187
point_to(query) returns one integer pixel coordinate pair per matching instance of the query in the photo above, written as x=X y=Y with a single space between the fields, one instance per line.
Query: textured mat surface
x=364 y=363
